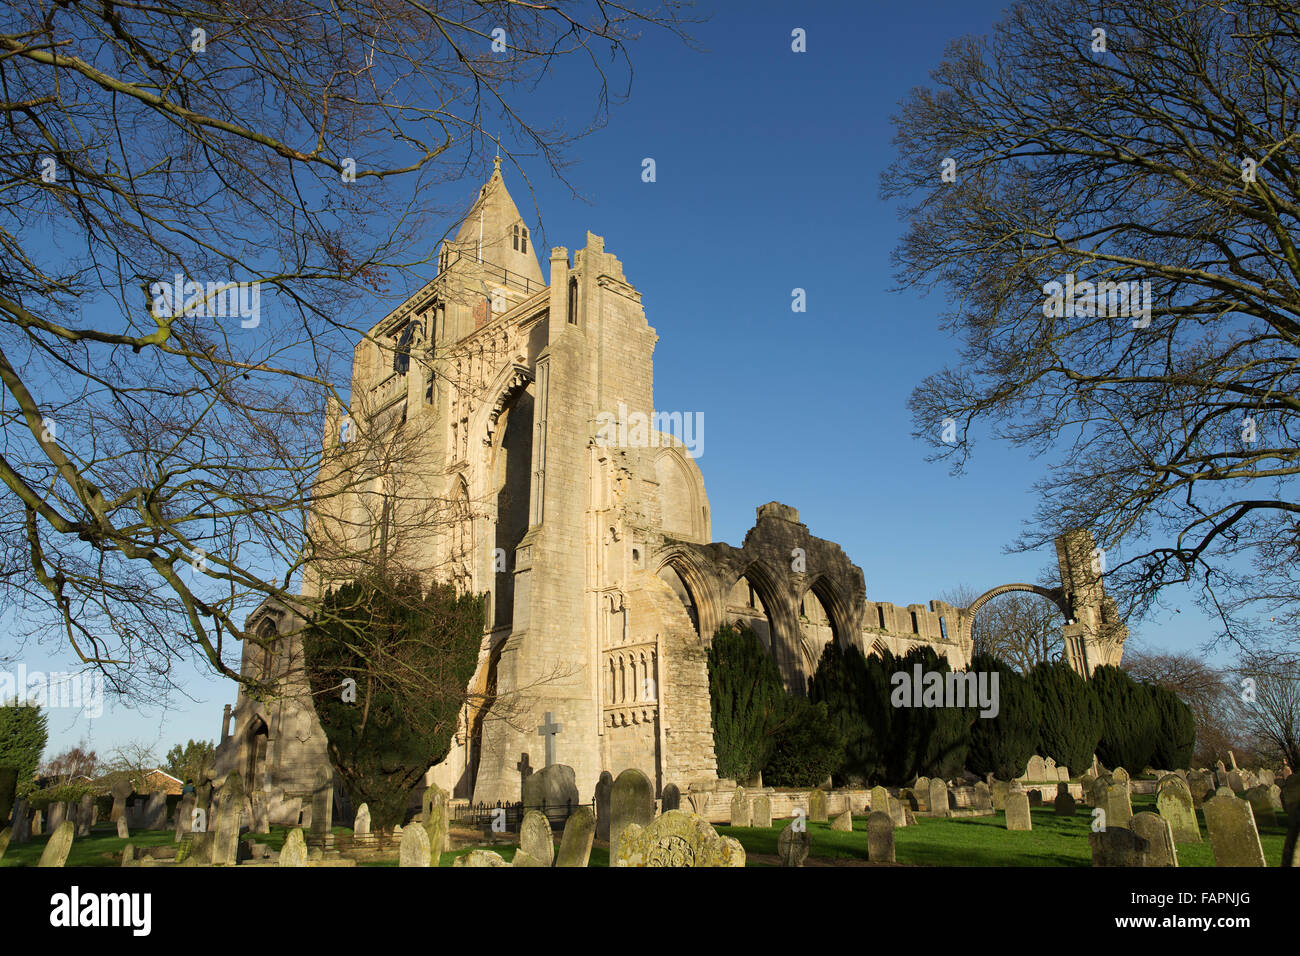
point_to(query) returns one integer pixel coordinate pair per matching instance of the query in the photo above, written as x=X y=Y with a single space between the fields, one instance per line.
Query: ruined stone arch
x=682 y=502
x=1056 y=595
x=784 y=634
x=709 y=606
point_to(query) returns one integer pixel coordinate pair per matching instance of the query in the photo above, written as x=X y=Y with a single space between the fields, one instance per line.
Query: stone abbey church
x=604 y=585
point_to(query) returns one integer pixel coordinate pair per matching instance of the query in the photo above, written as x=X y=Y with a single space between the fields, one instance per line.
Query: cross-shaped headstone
x=524 y=769
x=548 y=730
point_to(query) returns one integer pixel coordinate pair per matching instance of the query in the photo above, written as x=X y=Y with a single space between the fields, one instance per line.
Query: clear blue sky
x=768 y=166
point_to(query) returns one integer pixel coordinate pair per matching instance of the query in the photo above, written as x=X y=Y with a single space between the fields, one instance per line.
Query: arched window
x=573 y=301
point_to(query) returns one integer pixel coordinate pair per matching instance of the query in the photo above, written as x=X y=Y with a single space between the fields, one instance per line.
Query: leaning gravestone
x=938 y=798
x=792 y=846
x=678 y=838
x=1174 y=803
x=1236 y=781
x=1233 y=836
x=480 y=858
x=1154 y=830
x=60 y=843
x=631 y=800
x=1201 y=786
x=435 y=822
x=414 y=849
x=740 y=808
x=1064 y=804
x=294 y=852
x=1262 y=804
x=843 y=822
x=123 y=831
x=672 y=798
x=880 y=837
x=760 y=812
x=817 y=810
x=1017 y=811
x=1116 y=846
x=603 y=787
x=983 y=797
x=575 y=844
x=535 y=837
x=225 y=834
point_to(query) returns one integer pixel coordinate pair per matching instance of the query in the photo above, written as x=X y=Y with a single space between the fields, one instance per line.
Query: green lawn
x=969 y=841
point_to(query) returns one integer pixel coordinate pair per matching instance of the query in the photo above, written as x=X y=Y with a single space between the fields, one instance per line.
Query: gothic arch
x=785 y=635
x=1056 y=595
x=709 y=607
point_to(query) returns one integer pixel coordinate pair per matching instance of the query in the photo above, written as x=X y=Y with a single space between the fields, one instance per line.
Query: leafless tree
x=158 y=449
x=1150 y=145
x=1271 y=702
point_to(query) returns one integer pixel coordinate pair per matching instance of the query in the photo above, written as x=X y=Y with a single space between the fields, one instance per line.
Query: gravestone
x=86 y=815
x=740 y=808
x=261 y=819
x=58 y=812
x=322 y=809
x=123 y=831
x=938 y=798
x=880 y=837
x=1201 y=786
x=671 y=799
x=983 y=797
x=535 y=837
x=1064 y=804
x=1267 y=778
x=1291 y=845
x=57 y=847
x=414 y=849
x=1036 y=769
x=1017 y=812
x=225 y=833
x=631 y=800
x=524 y=859
x=901 y=815
x=603 y=787
x=677 y=838
x=552 y=788
x=38 y=823
x=1120 y=775
x=1154 y=830
x=921 y=793
x=155 y=811
x=184 y=817
x=880 y=799
x=793 y=846
x=1035 y=797
x=575 y=844
x=480 y=858
x=5 y=836
x=120 y=791
x=843 y=822
x=435 y=820
x=817 y=810
x=128 y=856
x=760 y=812
x=1174 y=804
x=1236 y=781
x=1114 y=799
x=1233 y=835
x=294 y=852
x=22 y=822
x=1116 y=846
x=1261 y=803
x=1291 y=793
x=999 y=790
x=361 y=823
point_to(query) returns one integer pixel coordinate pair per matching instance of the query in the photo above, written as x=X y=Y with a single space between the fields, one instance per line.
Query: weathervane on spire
x=496 y=164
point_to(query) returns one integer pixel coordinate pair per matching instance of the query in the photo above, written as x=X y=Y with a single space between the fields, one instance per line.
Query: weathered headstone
x=740 y=816
x=1114 y=799
x=983 y=797
x=603 y=787
x=155 y=811
x=843 y=822
x=1154 y=830
x=5 y=836
x=1174 y=803
x=1233 y=835
x=414 y=849
x=128 y=856
x=921 y=793
x=123 y=831
x=1262 y=804
x=361 y=822
x=535 y=837
x=85 y=815
x=480 y=858
x=294 y=852
x=1267 y=778
x=672 y=798
x=553 y=790
x=22 y=822
x=900 y=814
x=1116 y=846
x=58 y=846
x=225 y=833
x=677 y=838
x=575 y=843
x=1036 y=769
x=1017 y=812
x=184 y=817
x=792 y=846
x=58 y=812
x=1236 y=782
x=1120 y=775
x=880 y=799
x=999 y=790
x=1201 y=786
x=938 y=798
x=322 y=809
x=880 y=837
x=38 y=823
x=631 y=800
x=760 y=812
x=1291 y=793
x=1064 y=804
x=120 y=791
x=817 y=810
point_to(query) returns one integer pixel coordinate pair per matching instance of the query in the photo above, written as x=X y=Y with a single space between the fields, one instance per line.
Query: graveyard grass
x=967 y=841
